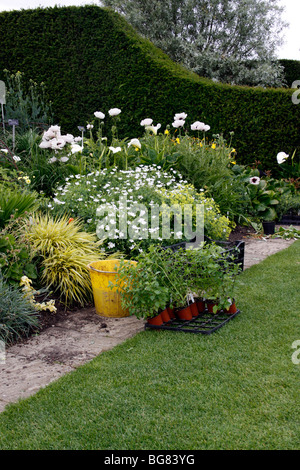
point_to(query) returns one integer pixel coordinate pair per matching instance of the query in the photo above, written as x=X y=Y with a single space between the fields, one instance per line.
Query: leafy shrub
x=17 y=316
x=15 y=204
x=16 y=257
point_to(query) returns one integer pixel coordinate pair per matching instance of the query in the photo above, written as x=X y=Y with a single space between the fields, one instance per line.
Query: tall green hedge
x=291 y=70
x=92 y=60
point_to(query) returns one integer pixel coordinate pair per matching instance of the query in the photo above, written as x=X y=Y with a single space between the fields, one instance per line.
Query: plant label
x=13 y=122
x=2 y=92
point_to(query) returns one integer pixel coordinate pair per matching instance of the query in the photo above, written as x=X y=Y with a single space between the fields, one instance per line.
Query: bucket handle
x=97 y=270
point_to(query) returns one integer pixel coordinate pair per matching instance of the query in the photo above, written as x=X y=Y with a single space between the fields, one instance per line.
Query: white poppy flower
x=178 y=123
x=49 y=134
x=206 y=128
x=76 y=148
x=114 y=112
x=45 y=144
x=57 y=144
x=180 y=116
x=99 y=115
x=282 y=157
x=54 y=128
x=254 y=180
x=52 y=159
x=68 y=138
x=64 y=159
x=16 y=158
x=197 y=126
x=146 y=122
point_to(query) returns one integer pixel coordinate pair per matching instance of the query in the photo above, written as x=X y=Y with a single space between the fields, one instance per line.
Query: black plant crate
x=290 y=219
x=205 y=323
x=232 y=250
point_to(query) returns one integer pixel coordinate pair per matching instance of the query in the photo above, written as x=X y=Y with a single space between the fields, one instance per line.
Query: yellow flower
x=213 y=146
x=25 y=281
x=177 y=140
x=167 y=132
x=234 y=163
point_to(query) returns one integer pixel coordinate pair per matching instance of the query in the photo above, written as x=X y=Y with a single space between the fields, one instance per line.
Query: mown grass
x=235 y=389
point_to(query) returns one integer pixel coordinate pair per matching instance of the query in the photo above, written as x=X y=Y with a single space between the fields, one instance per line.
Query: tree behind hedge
x=230 y=41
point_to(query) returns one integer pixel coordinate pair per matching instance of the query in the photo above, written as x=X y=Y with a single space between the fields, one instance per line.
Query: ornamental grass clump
x=65 y=251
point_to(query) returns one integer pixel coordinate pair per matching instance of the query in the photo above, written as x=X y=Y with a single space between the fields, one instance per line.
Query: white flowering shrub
x=142 y=194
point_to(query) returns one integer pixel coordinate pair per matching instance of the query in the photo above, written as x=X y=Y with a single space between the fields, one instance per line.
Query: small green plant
x=206 y=272
x=18 y=317
x=15 y=204
x=16 y=254
x=141 y=286
x=26 y=101
x=265 y=195
x=287 y=233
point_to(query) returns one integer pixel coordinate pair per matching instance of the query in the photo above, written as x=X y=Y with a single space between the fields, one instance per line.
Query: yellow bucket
x=107 y=300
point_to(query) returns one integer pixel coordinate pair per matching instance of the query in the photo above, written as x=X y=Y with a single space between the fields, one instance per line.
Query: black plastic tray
x=233 y=250
x=205 y=323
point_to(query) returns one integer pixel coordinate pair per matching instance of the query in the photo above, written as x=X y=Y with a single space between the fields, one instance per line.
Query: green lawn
x=235 y=389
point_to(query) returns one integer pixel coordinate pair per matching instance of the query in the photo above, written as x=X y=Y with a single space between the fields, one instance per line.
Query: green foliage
x=18 y=318
x=163 y=277
x=100 y=198
x=25 y=101
x=105 y=64
x=142 y=289
x=45 y=169
x=215 y=39
x=287 y=233
x=291 y=70
x=14 y=204
x=16 y=254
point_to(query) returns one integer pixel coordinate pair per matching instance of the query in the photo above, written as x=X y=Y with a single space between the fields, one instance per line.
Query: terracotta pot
x=171 y=312
x=200 y=305
x=165 y=315
x=232 y=309
x=194 y=309
x=184 y=313
x=210 y=306
x=157 y=320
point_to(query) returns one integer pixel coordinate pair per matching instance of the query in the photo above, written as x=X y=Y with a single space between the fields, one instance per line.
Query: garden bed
x=205 y=323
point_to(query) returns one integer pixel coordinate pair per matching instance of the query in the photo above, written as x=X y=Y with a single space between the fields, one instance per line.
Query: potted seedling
x=142 y=288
